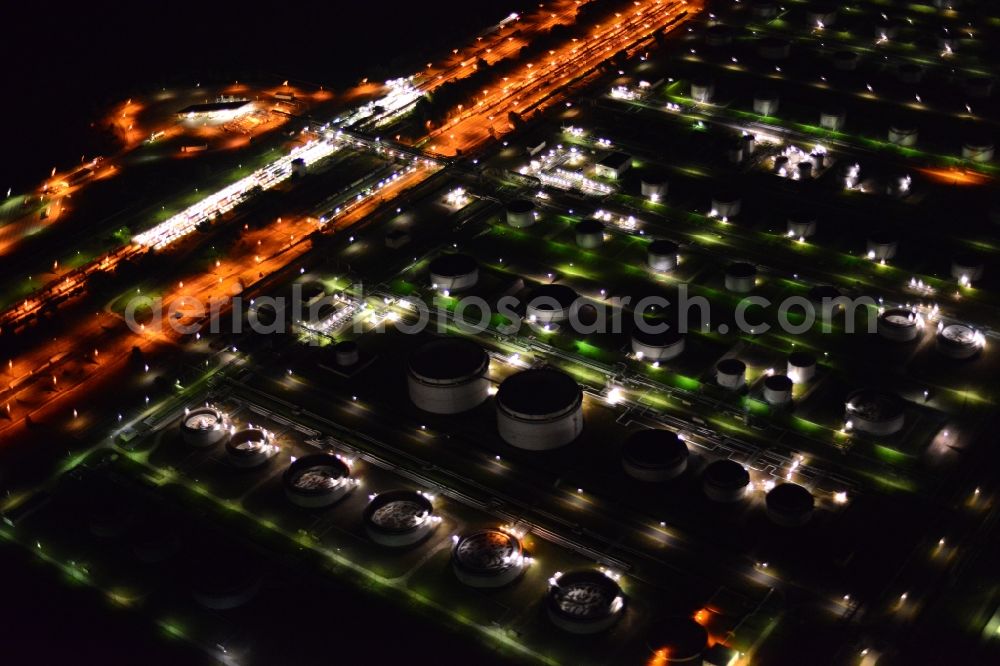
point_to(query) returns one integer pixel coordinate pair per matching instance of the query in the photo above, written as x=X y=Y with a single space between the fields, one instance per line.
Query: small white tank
x=833 y=119
x=731 y=373
x=801 y=367
x=903 y=135
x=741 y=277
x=778 y=390
x=662 y=255
x=766 y=103
x=521 y=213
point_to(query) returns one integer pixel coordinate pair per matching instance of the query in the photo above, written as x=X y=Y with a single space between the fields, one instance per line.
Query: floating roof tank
x=453 y=272
x=584 y=602
x=654 y=455
x=875 y=412
x=317 y=481
x=959 y=341
x=448 y=375
x=539 y=409
x=250 y=447
x=399 y=518
x=899 y=325
x=487 y=559
x=204 y=427
x=702 y=90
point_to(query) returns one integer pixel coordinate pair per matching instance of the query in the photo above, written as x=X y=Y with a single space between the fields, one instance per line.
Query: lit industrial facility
x=318 y=481
x=251 y=446
x=204 y=427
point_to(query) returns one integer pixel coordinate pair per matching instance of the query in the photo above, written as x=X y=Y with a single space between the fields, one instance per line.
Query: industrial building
x=613 y=166
x=875 y=412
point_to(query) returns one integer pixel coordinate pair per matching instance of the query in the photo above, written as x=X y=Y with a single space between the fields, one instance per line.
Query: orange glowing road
x=538 y=83
x=956 y=176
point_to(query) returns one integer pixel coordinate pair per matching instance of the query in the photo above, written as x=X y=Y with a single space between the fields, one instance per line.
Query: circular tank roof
x=248 y=441
x=899 y=318
x=521 y=206
x=663 y=247
x=448 y=360
x=778 y=383
x=487 y=552
x=316 y=474
x=726 y=474
x=453 y=265
x=398 y=511
x=790 y=498
x=681 y=638
x=731 y=366
x=651 y=338
x=875 y=405
x=584 y=596
x=822 y=292
x=654 y=448
x=206 y=418
x=959 y=334
x=539 y=392
x=882 y=238
x=741 y=269
x=345 y=347
x=563 y=295
x=590 y=226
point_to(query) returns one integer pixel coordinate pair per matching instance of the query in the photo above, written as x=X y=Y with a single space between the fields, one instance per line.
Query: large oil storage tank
x=725 y=481
x=789 y=505
x=654 y=184
x=551 y=303
x=959 y=341
x=726 y=204
x=741 y=277
x=539 y=409
x=204 y=427
x=584 y=602
x=778 y=390
x=654 y=455
x=731 y=373
x=801 y=367
x=801 y=225
x=400 y=518
x=487 y=559
x=590 y=234
x=662 y=255
x=903 y=134
x=875 y=412
x=652 y=344
x=882 y=246
x=250 y=447
x=521 y=213
x=899 y=325
x=317 y=481
x=766 y=102
x=448 y=375
x=453 y=272
x=967 y=268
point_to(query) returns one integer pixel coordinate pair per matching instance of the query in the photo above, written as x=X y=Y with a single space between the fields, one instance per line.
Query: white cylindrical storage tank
x=551 y=303
x=846 y=61
x=654 y=455
x=741 y=277
x=899 y=325
x=967 y=268
x=875 y=412
x=959 y=341
x=346 y=353
x=979 y=87
x=453 y=272
x=910 y=73
x=978 y=150
x=250 y=447
x=662 y=255
x=590 y=234
x=654 y=184
x=718 y=35
x=774 y=48
x=725 y=481
x=399 y=518
x=801 y=225
x=487 y=559
x=649 y=343
x=903 y=134
x=726 y=204
x=789 y=505
x=521 y=213
x=539 y=409
x=749 y=144
x=882 y=246
x=731 y=373
x=833 y=119
x=584 y=602
x=778 y=390
x=735 y=151
x=702 y=90
x=317 y=481
x=765 y=102
x=448 y=375
x=801 y=367
x=204 y=427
